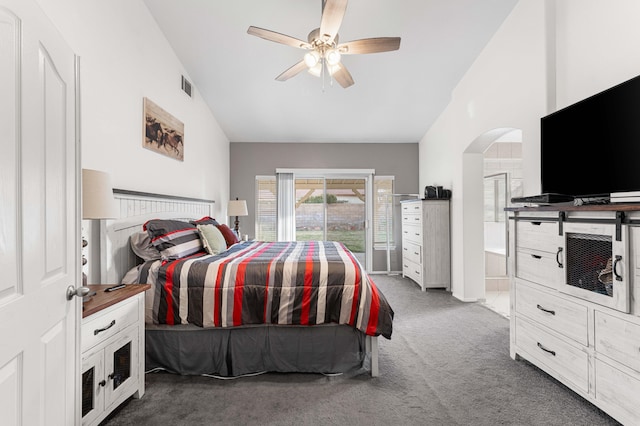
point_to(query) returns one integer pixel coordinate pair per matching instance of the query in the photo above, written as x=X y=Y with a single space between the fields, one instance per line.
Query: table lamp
x=237 y=208
x=97 y=201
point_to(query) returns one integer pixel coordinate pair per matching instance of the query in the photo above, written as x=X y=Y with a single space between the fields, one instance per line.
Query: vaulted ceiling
x=396 y=96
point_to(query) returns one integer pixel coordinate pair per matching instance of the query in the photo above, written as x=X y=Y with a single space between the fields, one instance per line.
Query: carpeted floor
x=447 y=364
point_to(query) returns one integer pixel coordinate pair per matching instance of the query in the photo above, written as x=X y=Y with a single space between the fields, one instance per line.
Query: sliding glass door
x=332 y=208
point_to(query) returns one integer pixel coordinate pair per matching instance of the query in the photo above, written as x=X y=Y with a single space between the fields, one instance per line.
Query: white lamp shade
x=97 y=196
x=237 y=208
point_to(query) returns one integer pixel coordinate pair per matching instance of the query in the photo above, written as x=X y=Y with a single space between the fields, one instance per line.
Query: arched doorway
x=497 y=156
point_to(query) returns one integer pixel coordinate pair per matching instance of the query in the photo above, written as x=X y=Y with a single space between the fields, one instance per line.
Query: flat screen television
x=592 y=148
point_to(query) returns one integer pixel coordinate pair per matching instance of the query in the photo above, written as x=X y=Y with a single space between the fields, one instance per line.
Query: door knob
x=79 y=291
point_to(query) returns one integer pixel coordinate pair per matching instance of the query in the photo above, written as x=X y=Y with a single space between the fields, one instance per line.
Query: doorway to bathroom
x=502 y=181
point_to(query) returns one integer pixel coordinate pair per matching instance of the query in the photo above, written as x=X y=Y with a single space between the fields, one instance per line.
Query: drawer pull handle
x=417 y=234
x=416 y=218
x=546 y=310
x=103 y=383
x=536 y=223
x=100 y=330
x=405 y=249
x=560 y=265
x=615 y=270
x=416 y=253
x=546 y=350
x=536 y=256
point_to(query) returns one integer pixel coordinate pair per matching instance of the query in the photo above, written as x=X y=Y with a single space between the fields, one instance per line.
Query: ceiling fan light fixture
x=316 y=70
x=311 y=59
x=332 y=56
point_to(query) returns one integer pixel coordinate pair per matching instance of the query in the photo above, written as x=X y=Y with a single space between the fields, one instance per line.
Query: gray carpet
x=447 y=364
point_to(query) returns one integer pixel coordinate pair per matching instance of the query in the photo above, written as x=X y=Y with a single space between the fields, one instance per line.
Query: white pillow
x=212 y=239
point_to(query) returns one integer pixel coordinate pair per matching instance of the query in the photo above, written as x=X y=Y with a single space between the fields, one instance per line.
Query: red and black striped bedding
x=293 y=283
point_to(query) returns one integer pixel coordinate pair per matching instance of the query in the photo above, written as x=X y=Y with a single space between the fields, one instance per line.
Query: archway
x=479 y=258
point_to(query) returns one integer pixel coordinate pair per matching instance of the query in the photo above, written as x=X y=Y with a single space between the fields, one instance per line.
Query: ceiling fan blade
x=332 y=14
x=370 y=45
x=278 y=38
x=343 y=76
x=292 y=71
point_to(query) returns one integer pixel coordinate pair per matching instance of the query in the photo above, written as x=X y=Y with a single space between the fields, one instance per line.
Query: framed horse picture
x=163 y=133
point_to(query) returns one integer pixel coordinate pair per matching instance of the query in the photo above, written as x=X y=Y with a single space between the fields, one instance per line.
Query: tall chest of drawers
x=426 y=247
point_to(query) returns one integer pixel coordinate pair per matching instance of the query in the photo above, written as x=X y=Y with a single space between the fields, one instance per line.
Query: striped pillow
x=174 y=239
x=207 y=220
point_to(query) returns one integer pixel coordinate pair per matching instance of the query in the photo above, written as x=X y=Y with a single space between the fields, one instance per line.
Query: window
x=382 y=211
x=266 y=208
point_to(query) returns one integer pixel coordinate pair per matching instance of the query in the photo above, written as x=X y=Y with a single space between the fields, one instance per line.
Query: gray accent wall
x=249 y=160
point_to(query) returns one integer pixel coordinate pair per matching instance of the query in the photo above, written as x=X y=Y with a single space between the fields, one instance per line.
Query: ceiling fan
x=324 y=50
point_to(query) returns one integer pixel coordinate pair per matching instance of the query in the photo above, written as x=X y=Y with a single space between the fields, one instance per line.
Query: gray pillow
x=142 y=247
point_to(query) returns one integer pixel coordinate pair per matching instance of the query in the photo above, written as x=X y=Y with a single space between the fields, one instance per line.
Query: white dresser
x=575 y=305
x=426 y=252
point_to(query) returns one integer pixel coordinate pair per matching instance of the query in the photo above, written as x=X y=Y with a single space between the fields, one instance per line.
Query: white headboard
x=136 y=208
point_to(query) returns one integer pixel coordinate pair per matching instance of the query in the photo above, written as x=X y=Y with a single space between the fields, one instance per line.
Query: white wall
x=545 y=54
x=504 y=89
x=123 y=58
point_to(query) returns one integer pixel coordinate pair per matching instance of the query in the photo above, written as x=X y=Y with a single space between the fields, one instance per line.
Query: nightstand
x=112 y=339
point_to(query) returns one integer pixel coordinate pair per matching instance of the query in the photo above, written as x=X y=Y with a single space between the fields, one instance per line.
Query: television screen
x=592 y=148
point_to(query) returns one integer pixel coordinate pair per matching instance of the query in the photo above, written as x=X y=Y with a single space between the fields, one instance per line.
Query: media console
x=575 y=299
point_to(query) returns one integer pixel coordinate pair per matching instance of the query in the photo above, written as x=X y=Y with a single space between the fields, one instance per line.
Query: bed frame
x=117 y=259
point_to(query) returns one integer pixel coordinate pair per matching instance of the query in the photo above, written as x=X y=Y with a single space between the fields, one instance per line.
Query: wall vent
x=186 y=86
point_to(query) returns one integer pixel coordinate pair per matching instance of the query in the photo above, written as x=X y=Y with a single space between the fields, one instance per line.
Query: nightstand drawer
x=108 y=322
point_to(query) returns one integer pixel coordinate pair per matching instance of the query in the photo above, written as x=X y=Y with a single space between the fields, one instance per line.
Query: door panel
x=39 y=250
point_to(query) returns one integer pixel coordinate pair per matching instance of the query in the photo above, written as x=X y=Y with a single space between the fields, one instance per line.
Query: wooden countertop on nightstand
x=104 y=299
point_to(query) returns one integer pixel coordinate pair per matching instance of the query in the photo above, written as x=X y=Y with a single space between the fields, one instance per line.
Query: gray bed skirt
x=232 y=352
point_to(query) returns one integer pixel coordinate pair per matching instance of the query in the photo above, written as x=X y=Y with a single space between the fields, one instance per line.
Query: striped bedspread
x=296 y=283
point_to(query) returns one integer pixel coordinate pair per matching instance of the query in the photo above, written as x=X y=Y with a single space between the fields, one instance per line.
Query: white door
x=39 y=223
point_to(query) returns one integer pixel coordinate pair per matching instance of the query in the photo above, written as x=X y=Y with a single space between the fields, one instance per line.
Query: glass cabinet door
x=121 y=366
x=92 y=386
x=596 y=264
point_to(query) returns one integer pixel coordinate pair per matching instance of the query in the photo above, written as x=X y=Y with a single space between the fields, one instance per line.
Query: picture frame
x=163 y=133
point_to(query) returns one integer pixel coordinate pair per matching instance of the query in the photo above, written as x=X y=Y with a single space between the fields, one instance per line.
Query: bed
x=250 y=307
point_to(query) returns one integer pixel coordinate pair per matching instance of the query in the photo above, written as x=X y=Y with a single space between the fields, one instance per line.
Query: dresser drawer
x=561 y=315
x=541 y=236
x=539 y=267
x=570 y=363
x=411 y=219
x=412 y=270
x=618 y=339
x=100 y=326
x=617 y=392
x=411 y=252
x=412 y=207
x=412 y=234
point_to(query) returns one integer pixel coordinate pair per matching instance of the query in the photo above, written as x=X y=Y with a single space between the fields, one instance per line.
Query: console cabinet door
x=595 y=263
